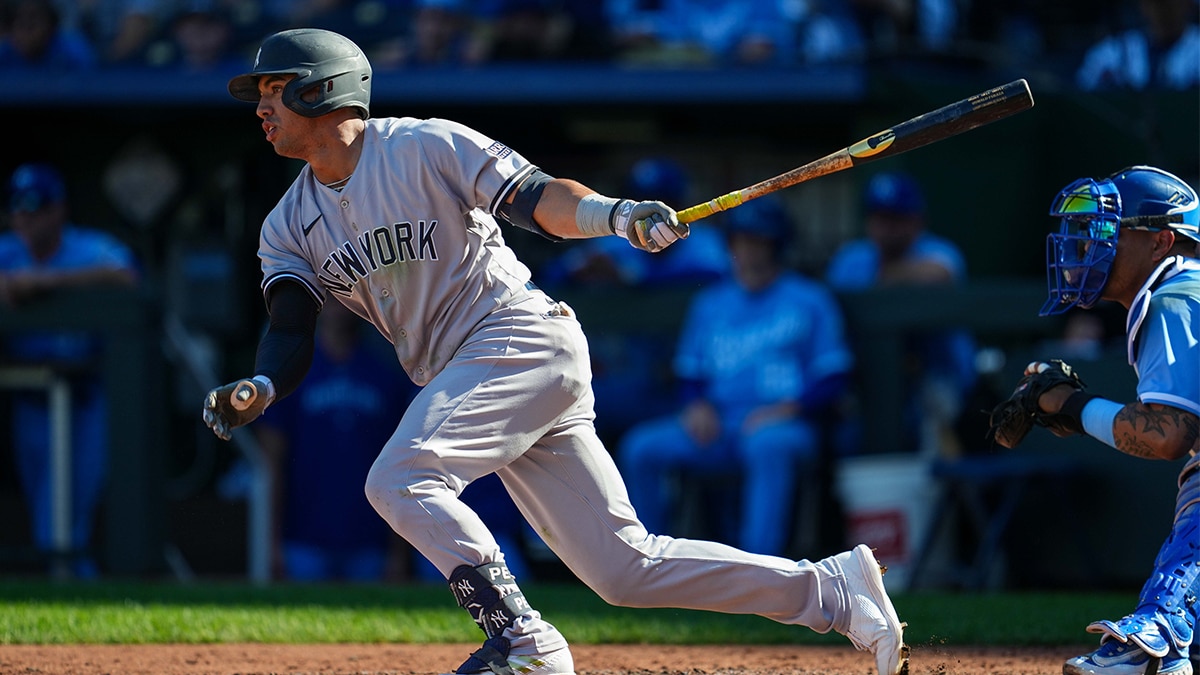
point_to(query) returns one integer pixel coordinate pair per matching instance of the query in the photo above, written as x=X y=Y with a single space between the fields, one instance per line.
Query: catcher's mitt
x=1014 y=417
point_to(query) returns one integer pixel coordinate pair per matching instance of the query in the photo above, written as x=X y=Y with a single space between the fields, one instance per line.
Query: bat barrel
x=969 y=113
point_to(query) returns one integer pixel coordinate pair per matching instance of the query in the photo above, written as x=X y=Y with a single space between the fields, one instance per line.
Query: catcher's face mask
x=1079 y=256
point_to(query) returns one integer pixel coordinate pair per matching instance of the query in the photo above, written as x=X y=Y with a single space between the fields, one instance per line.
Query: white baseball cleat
x=494 y=659
x=874 y=626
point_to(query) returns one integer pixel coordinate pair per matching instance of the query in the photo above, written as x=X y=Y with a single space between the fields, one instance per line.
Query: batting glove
x=649 y=226
x=236 y=404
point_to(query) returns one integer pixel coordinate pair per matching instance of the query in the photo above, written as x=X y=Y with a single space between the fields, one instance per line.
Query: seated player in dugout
x=898 y=249
x=762 y=360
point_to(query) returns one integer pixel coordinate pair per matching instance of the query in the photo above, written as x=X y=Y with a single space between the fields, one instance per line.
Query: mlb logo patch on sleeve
x=499 y=149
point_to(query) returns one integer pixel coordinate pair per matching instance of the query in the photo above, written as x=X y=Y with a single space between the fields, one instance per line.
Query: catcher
x=1133 y=238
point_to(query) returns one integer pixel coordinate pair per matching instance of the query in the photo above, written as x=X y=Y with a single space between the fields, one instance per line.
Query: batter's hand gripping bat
x=969 y=113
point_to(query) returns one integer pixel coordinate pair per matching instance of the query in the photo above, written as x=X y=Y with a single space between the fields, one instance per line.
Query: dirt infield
x=357 y=659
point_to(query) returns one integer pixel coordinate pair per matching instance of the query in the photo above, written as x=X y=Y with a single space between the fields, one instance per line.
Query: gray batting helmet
x=331 y=72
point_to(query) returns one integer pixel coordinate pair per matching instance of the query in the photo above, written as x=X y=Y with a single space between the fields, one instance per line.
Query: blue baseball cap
x=764 y=217
x=894 y=193
x=657 y=178
x=35 y=186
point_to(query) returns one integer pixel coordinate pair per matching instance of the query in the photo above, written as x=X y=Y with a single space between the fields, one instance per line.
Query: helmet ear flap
x=309 y=95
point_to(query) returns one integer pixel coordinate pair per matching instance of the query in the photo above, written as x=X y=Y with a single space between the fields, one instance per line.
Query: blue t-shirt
x=757 y=348
x=336 y=423
x=855 y=267
x=67 y=51
x=81 y=248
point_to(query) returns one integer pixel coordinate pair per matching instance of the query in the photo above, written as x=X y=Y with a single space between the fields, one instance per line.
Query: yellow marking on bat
x=722 y=203
x=873 y=145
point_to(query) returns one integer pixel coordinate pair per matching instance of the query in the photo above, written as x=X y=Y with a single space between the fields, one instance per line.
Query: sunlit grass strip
x=131 y=613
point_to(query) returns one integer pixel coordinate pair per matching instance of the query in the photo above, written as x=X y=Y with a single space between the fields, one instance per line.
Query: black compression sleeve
x=286 y=350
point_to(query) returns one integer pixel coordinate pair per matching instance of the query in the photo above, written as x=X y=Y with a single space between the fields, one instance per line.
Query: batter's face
x=292 y=134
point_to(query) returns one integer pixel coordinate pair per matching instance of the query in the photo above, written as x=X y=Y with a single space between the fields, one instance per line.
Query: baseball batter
x=397 y=218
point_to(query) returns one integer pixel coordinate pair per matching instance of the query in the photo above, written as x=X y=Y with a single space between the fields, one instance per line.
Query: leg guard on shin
x=490 y=594
x=1165 y=619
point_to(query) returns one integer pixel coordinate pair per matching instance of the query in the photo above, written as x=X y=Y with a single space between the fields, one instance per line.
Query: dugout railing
x=1002 y=313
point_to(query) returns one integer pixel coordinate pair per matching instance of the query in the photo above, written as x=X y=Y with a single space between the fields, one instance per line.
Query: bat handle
x=244 y=395
x=694 y=213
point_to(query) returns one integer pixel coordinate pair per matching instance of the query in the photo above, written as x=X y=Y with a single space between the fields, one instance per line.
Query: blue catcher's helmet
x=1092 y=214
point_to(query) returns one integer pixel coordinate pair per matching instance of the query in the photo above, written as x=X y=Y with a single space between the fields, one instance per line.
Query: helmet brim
x=245 y=87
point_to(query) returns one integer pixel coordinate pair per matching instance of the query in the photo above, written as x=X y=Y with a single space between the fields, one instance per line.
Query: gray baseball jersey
x=411 y=244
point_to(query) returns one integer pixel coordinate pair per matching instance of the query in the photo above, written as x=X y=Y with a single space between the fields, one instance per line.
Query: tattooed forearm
x=1191 y=429
x=1132 y=444
x=1155 y=431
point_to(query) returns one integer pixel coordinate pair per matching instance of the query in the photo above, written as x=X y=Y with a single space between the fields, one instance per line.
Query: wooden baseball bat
x=969 y=113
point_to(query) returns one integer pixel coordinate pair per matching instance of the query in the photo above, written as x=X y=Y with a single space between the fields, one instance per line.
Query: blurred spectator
x=321 y=442
x=371 y=22
x=119 y=30
x=899 y=250
x=307 y=13
x=199 y=38
x=1010 y=34
x=705 y=32
x=1162 y=52
x=760 y=358
x=32 y=35
x=441 y=31
x=538 y=30
x=44 y=252
x=438 y=33
x=910 y=26
x=826 y=32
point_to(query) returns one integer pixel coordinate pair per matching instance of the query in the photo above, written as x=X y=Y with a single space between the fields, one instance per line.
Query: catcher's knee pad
x=490 y=595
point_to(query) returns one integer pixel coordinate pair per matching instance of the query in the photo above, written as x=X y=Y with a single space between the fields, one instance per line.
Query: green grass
x=37 y=612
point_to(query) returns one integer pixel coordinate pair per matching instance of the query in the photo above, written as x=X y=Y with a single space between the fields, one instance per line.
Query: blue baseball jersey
x=81 y=248
x=762 y=347
x=855 y=267
x=1165 y=339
